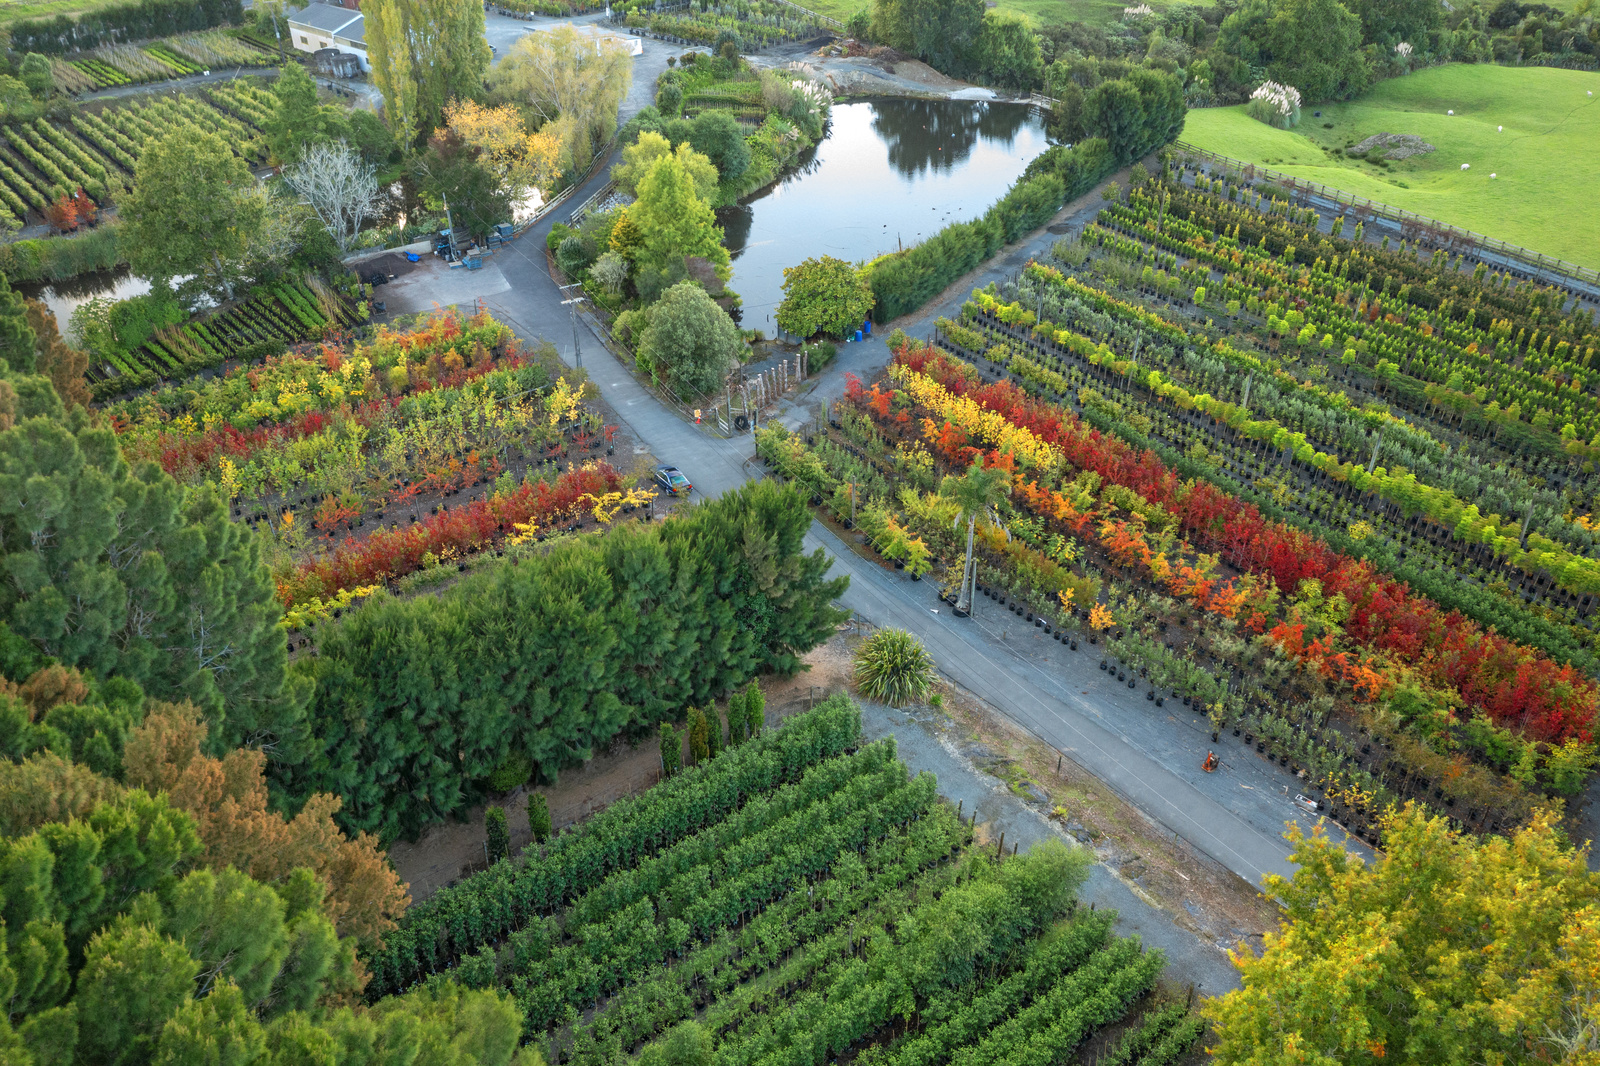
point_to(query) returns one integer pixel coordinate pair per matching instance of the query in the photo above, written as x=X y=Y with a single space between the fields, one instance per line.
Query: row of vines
x=795 y=897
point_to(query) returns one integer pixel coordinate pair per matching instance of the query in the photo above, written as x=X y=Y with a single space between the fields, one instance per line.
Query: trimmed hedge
x=418 y=701
x=136 y=21
x=904 y=281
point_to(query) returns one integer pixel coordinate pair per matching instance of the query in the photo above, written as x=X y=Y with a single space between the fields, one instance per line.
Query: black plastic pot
x=1074 y=645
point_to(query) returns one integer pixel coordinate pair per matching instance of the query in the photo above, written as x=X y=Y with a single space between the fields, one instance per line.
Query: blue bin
x=867 y=326
x=858 y=335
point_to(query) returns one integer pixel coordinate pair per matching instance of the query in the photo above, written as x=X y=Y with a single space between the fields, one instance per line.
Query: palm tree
x=978 y=492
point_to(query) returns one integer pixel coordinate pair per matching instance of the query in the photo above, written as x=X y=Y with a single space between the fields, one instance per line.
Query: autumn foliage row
x=453 y=531
x=1516 y=685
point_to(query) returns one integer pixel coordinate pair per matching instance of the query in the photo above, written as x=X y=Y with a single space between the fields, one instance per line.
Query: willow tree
x=565 y=76
x=424 y=54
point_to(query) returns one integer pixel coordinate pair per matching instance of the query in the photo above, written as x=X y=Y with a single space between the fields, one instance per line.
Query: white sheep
x=1499 y=129
x=1494 y=175
x=1449 y=112
x=1464 y=166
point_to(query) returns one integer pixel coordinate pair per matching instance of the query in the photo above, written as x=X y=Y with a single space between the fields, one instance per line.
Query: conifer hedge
x=416 y=702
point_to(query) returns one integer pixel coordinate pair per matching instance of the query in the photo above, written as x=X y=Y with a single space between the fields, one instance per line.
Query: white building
x=319 y=26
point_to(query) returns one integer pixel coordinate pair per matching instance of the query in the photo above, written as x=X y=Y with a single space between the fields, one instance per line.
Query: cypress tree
x=17 y=338
x=737 y=725
x=539 y=817
x=671 y=749
x=699 y=735
x=496 y=835
x=714 y=739
x=755 y=709
x=57 y=360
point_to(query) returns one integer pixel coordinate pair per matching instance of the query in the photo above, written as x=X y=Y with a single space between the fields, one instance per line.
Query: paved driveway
x=1150 y=757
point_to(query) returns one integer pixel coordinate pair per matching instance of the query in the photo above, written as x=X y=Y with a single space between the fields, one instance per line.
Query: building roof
x=328 y=19
x=355 y=36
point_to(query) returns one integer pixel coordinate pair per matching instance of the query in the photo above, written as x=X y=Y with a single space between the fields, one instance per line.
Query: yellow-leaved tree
x=522 y=161
x=1445 y=950
x=567 y=74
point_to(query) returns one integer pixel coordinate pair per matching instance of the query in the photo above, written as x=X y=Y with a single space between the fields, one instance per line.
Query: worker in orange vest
x=1211 y=762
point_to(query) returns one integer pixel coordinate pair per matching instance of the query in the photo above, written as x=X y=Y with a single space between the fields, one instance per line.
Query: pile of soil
x=392 y=266
x=1394 y=145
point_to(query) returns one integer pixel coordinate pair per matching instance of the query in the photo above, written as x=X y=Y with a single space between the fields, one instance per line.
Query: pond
x=64 y=297
x=891 y=172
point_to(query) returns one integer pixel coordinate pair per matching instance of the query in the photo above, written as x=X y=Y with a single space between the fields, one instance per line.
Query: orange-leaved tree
x=228 y=799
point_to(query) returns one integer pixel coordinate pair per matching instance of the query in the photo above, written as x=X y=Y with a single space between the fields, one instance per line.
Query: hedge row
x=59 y=258
x=135 y=21
x=484 y=908
x=904 y=281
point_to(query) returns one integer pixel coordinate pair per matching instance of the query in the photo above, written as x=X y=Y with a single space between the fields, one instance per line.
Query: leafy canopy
x=560 y=74
x=424 y=53
x=691 y=343
x=673 y=222
x=193 y=209
x=1445 y=950
x=825 y=295
x=639 y=157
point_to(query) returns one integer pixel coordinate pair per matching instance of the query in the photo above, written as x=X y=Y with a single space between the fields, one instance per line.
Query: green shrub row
x=457 y=920
x=556 y=657
x=904 y=281
x=57 y=258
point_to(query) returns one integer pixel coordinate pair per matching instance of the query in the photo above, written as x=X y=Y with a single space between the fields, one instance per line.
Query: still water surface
x=890 y=172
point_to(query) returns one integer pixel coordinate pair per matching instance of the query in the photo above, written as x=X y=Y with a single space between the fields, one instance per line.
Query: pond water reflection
x=64 y=297
x=891 y=172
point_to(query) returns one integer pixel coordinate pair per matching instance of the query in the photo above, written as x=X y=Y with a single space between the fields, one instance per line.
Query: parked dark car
x=672 y=479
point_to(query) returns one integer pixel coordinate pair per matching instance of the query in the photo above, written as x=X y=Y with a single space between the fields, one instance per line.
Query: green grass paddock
x=1547 y=158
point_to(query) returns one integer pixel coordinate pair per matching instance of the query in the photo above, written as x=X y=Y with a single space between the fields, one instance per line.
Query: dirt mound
x=1393 y=145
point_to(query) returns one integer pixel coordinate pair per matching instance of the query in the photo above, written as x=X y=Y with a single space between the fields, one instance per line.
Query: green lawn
x=1102 y=13
x=1547 y=158
x=11 y=10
